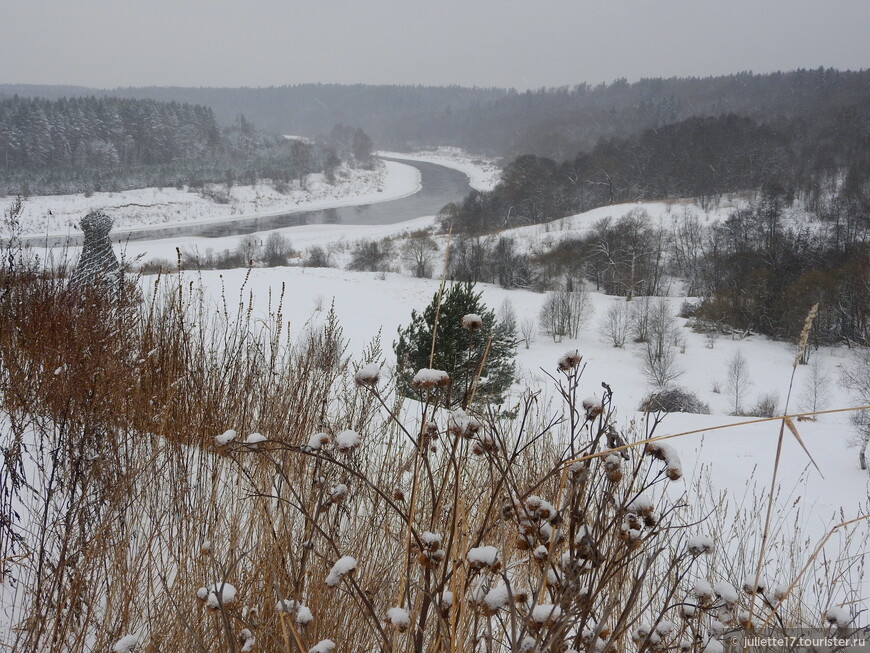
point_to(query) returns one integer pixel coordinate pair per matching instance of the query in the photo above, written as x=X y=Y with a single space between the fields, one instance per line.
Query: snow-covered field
x=59 y=214
x=367 y=303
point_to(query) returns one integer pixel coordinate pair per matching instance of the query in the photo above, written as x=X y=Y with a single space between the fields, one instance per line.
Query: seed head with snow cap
x=427 y=378
x=368 y=375
x=472 y=322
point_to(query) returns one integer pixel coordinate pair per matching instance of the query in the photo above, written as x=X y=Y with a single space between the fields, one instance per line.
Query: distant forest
x=554 y=123
x=87 y=144
x=702 y=158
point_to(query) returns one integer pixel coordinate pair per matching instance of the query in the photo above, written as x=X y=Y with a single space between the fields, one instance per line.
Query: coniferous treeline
x=36 y=134
x=87 y=144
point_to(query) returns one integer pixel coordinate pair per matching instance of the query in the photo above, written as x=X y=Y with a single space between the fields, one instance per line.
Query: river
x=439 y=186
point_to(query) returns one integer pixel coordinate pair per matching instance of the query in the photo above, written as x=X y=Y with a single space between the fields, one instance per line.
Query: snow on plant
x=217 y=595
x=368 y=375
x=497 y=597
x=247 y=640
x=545 y=613
x=838 y=616
x=343 y=567
x=255 y=438
x=323 y=646
x=463 y=425
x=338 y=493
x=428 y=378
x=126 y=644
x=399 y=619
x=593 y=407
x=317 y=440
x=484 y=557
x=699 y=544
x=347 y=441
x=472 y=322
x=225 y=438
x=726 y=592
x=302 y=614
x=665 y=452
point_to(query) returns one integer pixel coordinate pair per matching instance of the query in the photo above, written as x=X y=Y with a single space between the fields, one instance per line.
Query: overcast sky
x=108 y=43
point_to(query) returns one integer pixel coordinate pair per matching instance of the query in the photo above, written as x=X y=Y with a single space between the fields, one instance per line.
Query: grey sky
x=107 y=43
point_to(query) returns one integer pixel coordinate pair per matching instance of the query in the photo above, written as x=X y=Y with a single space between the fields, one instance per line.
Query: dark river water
x=440 y=186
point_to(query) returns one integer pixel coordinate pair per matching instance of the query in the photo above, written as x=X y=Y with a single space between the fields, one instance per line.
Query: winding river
x=439 y=186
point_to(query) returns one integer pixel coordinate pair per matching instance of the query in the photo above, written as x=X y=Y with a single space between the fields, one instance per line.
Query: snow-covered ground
x=60 y=214
x=738 y=461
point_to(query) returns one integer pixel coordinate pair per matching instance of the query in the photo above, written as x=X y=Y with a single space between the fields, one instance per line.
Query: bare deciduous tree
x=659 y=354
x=249 y=248
x=815 y=393
x=507 y=315
x=418 y=252
x=529 y=331
x=738 y=379
x=857 y=379
x=277 y=249
x=616 y=323
x=640 y=316
x=565 y=312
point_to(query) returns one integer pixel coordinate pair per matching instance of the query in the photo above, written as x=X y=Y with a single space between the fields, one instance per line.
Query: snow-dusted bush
x=767 y=405
x=673 y=400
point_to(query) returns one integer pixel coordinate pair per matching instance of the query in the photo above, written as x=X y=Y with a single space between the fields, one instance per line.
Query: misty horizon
x=484 y=45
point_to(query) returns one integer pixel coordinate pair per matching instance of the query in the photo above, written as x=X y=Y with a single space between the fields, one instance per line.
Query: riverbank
x=58 y=215
x=483 y=173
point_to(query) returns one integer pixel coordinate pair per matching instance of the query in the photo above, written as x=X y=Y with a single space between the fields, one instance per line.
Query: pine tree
x=459 y=350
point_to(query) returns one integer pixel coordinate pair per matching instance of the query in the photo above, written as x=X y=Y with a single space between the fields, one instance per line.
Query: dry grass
x=128 y=506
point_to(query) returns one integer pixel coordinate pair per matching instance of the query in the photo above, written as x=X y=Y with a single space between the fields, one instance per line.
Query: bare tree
x=317 y=257
x=249 y=248
x=660 y=368
x=738 y=379
x=857 y=379
x=640 y=316
x=371 y=255
x=507 y=315
x=663 y=330
x=565 y=312
x=815 y=393
x=529 y=331
x=277 y=249
x=616 y=323
x=418 y=252
x=659 y=354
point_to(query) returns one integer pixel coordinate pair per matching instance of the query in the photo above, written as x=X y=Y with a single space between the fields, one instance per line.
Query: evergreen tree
x=459 y=350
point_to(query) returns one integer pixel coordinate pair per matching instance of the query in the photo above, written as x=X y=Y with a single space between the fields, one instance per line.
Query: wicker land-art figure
x=98 y=264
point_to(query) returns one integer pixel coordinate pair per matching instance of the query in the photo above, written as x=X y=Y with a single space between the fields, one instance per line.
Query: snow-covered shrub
x=767 y=405
x=673 y=400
